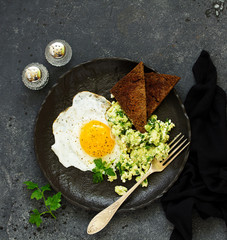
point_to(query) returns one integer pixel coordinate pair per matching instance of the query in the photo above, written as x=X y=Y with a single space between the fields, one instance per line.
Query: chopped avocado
x=137 y=149
x=120 y=190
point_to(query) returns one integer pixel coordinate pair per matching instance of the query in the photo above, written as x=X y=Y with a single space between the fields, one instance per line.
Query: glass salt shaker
x=58 y=53
x=35 y=76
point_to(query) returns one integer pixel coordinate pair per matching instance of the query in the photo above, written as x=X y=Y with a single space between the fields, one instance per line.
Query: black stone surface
x=166 y=35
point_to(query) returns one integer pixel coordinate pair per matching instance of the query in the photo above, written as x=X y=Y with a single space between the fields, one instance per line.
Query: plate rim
x=95 y=208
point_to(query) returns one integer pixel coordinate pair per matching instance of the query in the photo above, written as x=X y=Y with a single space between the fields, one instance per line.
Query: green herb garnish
x=100 y=170
x=51 y=203
x=120 y=113
x=120 y=168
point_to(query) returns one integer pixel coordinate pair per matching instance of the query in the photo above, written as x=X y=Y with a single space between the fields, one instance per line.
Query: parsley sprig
x=101 y=169
x=52 y=203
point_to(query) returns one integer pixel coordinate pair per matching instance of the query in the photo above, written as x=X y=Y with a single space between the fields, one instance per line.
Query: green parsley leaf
x=54 y=201
x=99 y=164
x=110 y=172
x=128 y=145
x=36 y=194
x=97 y=177
x=118 y=166
x=148 y=146
x=145 y=181
x=128 y=165
x=95 y=170
x=123 y=131
x=149 y=158
x=35 y=218
x=120 y=113
x=141 y=135
x=101 y=170
x=46 y=188
x=31 y=185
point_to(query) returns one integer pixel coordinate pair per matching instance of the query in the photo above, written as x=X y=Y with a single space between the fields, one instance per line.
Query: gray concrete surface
x=167 y=35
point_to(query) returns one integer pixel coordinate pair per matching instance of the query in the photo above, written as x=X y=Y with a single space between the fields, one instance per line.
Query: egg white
x=86 y=107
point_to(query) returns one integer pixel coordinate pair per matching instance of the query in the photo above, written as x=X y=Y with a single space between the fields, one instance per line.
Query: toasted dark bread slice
x=131 y=94
x=158 y=87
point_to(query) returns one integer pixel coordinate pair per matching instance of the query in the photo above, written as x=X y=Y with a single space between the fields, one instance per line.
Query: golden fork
x=177 y=145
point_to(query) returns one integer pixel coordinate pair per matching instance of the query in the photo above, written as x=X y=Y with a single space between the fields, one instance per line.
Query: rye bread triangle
x=158 y=87
x=130 y=92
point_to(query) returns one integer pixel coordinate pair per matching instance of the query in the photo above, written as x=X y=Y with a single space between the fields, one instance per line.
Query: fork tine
x=176 y=143
x=174 y=150
x=167 y=161
x=174 y=139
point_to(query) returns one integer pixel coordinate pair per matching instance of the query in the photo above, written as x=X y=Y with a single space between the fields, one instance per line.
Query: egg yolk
x=96 y=139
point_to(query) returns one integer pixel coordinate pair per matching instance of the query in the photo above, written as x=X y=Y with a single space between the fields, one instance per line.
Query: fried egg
x=82 y=133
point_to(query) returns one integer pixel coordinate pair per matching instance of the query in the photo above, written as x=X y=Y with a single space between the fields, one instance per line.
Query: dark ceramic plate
x=99 y=76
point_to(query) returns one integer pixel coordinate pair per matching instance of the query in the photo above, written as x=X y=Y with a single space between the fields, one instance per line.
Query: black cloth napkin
x=202 y=184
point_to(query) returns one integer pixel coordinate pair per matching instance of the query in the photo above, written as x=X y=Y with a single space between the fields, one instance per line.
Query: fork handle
x=103 y=218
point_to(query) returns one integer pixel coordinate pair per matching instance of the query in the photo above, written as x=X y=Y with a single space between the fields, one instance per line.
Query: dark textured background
x=166 y=35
